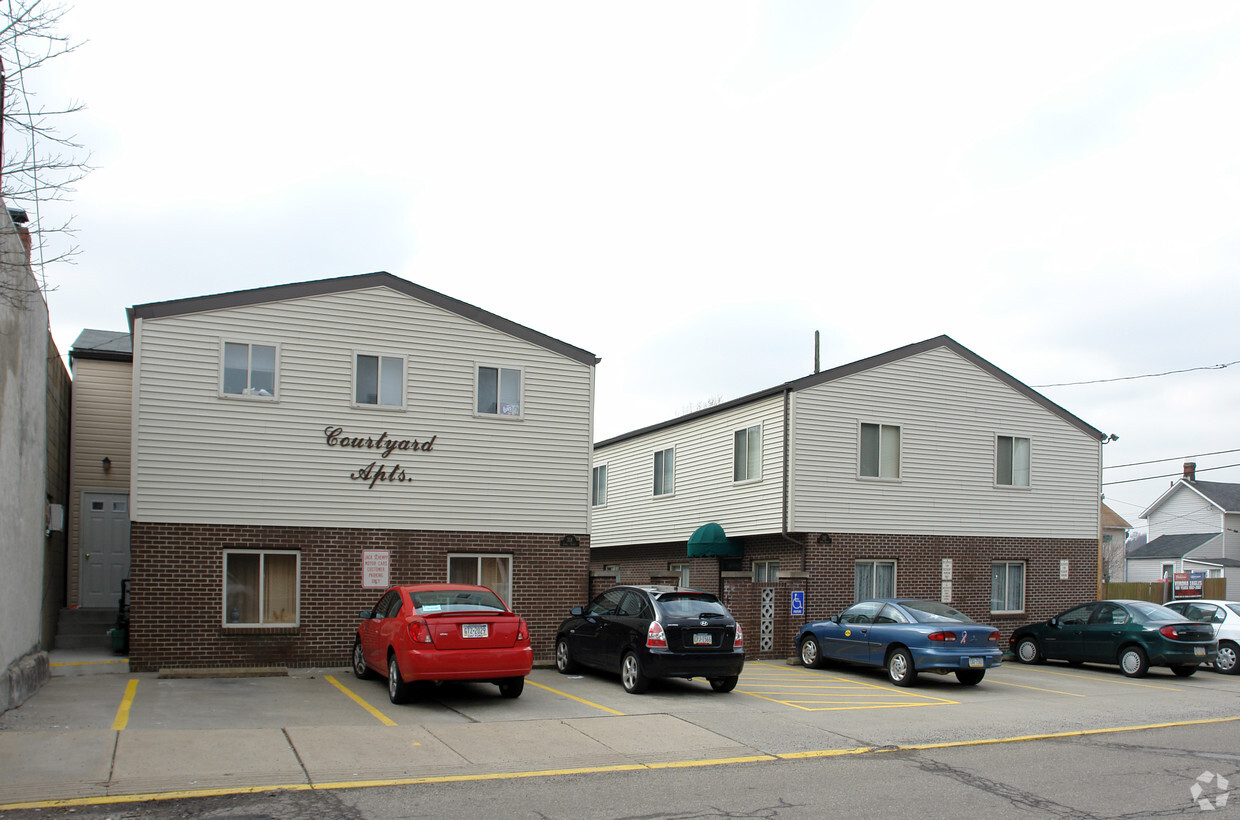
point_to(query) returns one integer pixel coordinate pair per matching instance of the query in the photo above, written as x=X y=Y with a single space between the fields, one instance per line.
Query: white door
x=105 y=548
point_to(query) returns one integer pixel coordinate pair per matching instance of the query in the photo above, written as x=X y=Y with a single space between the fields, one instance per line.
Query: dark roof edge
x=863 y=365
x=100 y=355
x=321 y=287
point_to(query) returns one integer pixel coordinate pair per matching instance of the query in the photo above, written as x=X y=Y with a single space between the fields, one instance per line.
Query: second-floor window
x=598 y=486
x=499 y=391
x=664 y=471
x=747 y=454
x=379 y=381
x=1012 y=459
x=249 y=370
x=880 y=451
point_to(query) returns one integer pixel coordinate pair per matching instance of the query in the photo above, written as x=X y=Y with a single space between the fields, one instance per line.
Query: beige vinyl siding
x=949 y=412
x=204 y=458
x=704 y=489
x=1231 y=536
x=1184 y=512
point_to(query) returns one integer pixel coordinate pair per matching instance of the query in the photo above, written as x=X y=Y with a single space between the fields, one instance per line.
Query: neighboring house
x=1114 y=537
x=297 y=448
x=34 y=412
x=1193 y=527
x=925 y=471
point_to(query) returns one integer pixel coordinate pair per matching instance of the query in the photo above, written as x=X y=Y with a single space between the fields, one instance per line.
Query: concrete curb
x=22 y=679
x=227 y=672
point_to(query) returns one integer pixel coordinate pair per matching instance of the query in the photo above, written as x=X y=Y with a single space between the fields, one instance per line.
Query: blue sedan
x=905 y=636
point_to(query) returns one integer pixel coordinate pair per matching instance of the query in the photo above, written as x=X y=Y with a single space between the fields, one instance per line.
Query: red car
x=441 y=632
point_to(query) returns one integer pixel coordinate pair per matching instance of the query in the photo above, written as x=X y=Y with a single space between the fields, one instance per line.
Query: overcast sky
x=689 y=190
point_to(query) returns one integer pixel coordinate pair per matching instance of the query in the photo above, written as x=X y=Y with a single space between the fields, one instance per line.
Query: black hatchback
x=646 y=632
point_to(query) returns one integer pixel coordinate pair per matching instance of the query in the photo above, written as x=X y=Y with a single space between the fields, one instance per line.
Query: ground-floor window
x=683 y=571
x=765 y=572
x=493 y=571
x=261 y=588
x=1007 y=586
x=874 y=579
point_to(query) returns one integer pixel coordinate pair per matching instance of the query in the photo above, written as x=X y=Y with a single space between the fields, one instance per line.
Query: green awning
x=709 y=540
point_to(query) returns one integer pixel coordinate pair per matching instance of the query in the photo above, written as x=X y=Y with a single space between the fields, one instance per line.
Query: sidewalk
x=71 y=662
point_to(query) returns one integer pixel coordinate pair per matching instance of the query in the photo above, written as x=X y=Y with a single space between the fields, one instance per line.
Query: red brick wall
x=177 y=587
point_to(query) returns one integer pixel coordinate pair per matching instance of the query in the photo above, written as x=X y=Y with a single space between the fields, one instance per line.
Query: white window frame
x=765 y=572
x=378 y=403
x=665 y=477
x=1012 y=476
x=873 y=564
x=262 y=570
x=1007 y=591
x=682 y=570
x=745 y=463
x=499 y=384
x=246 y=394
x=899 y=465
x=597 y=498
x=506 y=593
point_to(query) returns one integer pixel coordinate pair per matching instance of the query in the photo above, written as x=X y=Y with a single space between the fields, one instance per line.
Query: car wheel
x=631 y=675
x=398 y=690
x=811 y=652
x=1134 y=662
x=1225 y=661
x=724 y=684
x=1028 y=651
x=970 y=677
x=511 y=687
x=900 y=670
x=1184 y=670
x=360 y=669
x=563 y=658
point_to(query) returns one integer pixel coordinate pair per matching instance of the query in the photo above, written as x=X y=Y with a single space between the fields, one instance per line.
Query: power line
x=1173 y=458
x=1145 y=376
x=1168 y=475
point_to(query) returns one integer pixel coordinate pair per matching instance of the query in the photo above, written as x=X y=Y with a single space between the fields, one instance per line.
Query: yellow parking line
x=384 y=719
x=574 y=697
x=122 y=712
x=1109 y=680
x=1038 y=689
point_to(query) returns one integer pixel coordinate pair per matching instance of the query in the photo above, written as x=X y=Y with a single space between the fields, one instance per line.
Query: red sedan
x=441 y=632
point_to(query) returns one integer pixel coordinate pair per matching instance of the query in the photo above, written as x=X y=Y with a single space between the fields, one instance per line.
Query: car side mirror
x=577 y=611
x=1054 y=622
x=835 y=619
x=366 y=614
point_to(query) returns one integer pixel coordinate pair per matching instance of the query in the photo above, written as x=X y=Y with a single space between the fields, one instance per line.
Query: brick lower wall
x=177 y=587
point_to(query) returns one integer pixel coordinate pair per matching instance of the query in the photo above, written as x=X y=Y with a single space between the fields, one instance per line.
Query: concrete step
x=84 y=628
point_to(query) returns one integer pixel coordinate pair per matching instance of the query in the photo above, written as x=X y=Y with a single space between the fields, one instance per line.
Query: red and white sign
x=376 y=569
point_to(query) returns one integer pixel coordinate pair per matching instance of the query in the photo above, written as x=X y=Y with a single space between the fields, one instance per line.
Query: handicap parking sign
x=798 y=603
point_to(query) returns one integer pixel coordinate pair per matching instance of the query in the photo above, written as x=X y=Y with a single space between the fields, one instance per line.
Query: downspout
x=787 y=444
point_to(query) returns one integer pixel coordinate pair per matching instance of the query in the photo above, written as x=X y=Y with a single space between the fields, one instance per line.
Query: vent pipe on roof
x=1190 y=471
x=815 y=351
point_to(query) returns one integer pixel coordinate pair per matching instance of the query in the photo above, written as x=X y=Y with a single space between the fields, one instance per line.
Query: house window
x=683 y=571
x=1007 y=586
x=874 y=579
x=598 y=486
x=1012 y=461
x=261 y=588
x=664 y=469
x=493 y=571
x=499 y=391
x=747 y=454
x=765 y=572
x=880 y=451
x=249 y=370
x=379 y=381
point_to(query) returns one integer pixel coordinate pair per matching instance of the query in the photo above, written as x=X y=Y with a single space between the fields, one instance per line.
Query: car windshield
x=457 y=600
x=691 y=605
x=1153 y=612
x=928 y=612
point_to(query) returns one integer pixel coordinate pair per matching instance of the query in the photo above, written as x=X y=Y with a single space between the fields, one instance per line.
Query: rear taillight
x=1170 y=632
x=419 y=632
x=523 y=631
x=739 y=640
x=942 y=636
x=994 y=637
x=656 y=638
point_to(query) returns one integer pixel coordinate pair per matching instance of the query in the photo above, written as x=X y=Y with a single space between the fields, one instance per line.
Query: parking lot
x=91 y=737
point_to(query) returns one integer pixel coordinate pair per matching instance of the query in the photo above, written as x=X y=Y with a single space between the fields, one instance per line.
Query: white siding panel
x=203 y=458
x=1184 y=512
x=949 y=412
x=704 y=489
x=1145 y=570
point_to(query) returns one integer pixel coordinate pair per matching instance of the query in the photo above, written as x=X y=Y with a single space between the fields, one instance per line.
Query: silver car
x=1224 y=616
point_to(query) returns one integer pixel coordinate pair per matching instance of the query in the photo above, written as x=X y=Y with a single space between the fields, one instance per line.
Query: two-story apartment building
x=925 y=472
x=297 y=448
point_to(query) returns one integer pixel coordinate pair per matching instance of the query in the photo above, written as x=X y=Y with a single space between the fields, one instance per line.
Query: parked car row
x=423 y=634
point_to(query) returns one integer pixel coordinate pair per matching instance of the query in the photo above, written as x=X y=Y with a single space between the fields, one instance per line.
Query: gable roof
x=103 y=345
x=1224 y=496
x=1112 y=519
x=862 y=365
x=1173 y=546
x=341 y=284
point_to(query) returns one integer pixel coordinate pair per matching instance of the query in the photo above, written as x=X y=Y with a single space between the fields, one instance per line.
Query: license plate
x=702 y=639
x=1200 y=650
x=473 y=630
x=977 y=662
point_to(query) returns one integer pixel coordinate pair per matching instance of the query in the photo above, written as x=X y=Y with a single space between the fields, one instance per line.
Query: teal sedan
x=1134 y=634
